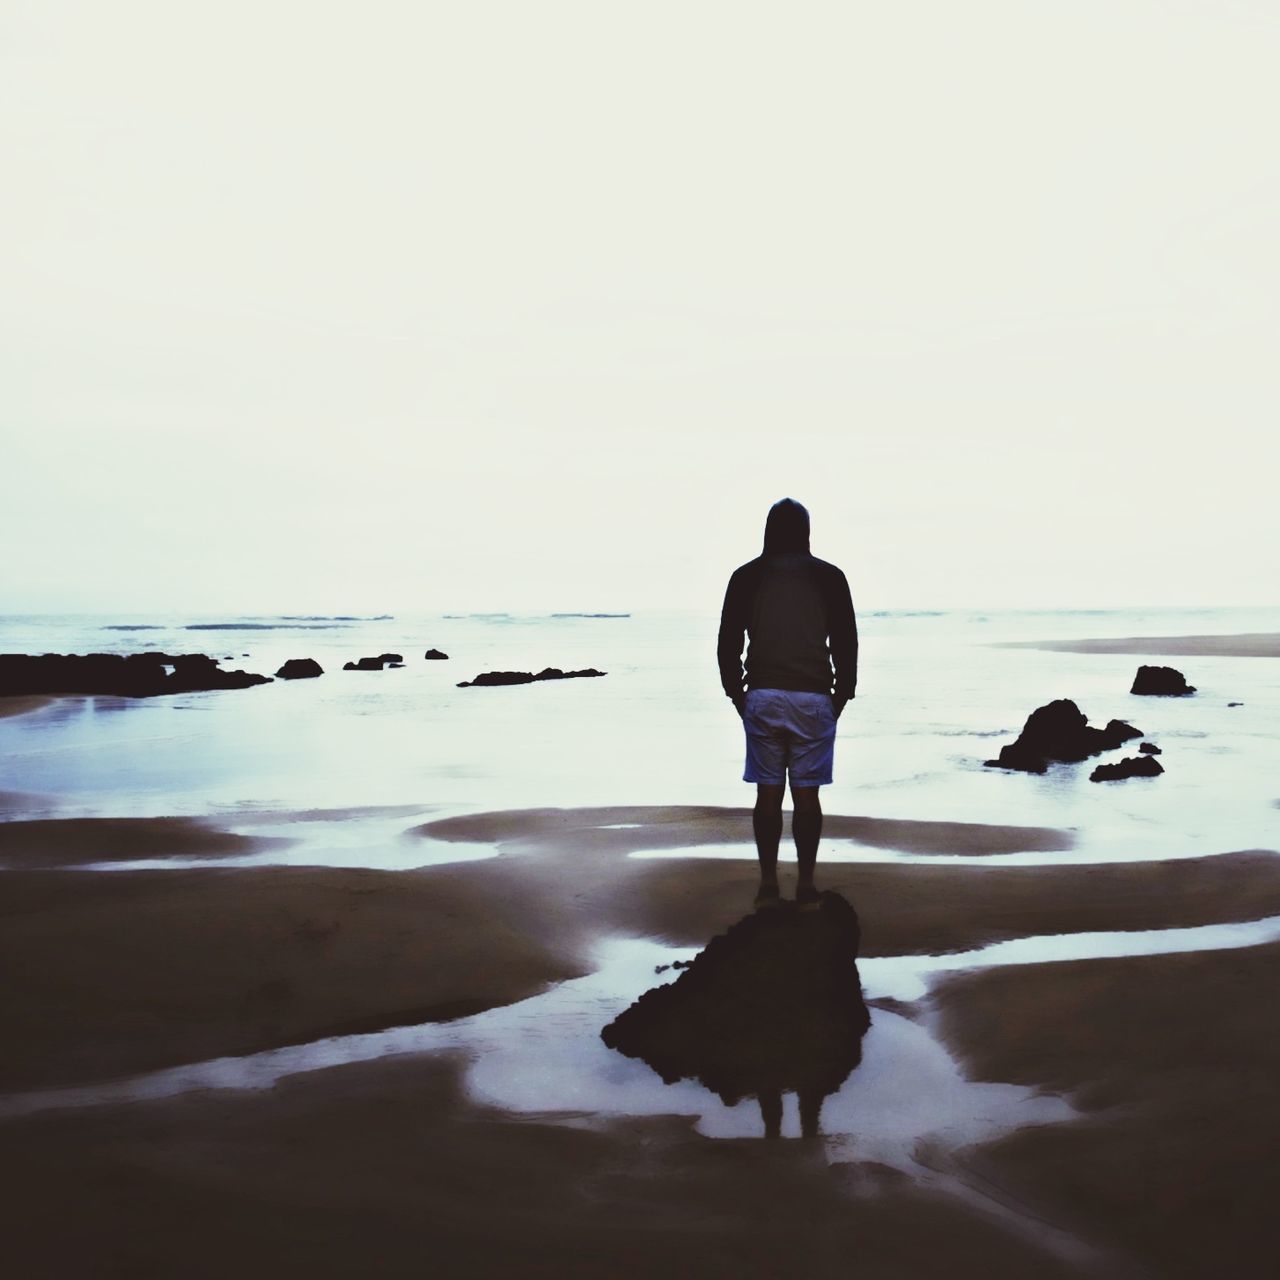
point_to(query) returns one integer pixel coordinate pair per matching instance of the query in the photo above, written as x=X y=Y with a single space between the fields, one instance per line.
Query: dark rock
x=1129 y=767
x=526 y=677
x=1060 y=731
x=773 y=1004
x=1235 y=704
x=300 y=669
x=138 y=675
x=1148 y=748
x=435 y=654
x=1164 y=682
x=365 y=664
x=392 y=657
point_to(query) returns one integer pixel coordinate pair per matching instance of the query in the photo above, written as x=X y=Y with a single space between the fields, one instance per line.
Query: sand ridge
x=1250 y=644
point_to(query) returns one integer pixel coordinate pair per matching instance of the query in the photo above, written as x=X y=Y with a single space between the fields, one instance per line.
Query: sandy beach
x=129 y=972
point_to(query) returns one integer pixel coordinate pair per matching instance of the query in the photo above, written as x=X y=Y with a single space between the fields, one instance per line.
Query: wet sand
x=383 y=1168
x=134 y=970
x=67 y=842
x=1250 y=644
x=18 y=704
x=1175 y=1057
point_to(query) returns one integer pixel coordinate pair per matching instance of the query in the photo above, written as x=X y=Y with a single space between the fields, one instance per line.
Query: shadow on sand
x=771 y=1006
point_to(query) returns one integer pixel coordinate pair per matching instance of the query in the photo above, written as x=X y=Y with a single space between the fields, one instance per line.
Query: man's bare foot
x=768 y=895
x=807 y=897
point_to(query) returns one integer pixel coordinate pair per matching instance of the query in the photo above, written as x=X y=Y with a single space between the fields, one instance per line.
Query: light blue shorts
x=789 y=730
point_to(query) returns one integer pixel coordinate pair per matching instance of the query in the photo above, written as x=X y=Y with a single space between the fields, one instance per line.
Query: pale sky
x=381 y=306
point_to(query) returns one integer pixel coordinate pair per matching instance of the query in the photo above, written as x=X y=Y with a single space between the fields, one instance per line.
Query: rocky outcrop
x=773 y=1004
x=138 y=675
x=527 y=677
x=1162 y=682
x=435 y=655
x=1129 y=767
x=300 y=669
x=375 y=664
x=1148 y=748
x=1060 y=731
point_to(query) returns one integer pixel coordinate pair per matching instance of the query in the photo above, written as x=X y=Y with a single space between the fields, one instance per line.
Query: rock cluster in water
x=526 y=677
x=300 y=669
x=1060 y=731
x=1129 y=767
x=1164 y=682
x=137 y=675
x=774 y=1004
x=375 y=664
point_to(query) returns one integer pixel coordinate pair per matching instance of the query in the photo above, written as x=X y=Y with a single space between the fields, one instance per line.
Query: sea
x=937 y=696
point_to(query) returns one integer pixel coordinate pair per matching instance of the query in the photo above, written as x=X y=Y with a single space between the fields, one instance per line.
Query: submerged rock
x=1129 y=767
x=1060 y=731
x=138 y=675
x=370 y=664
x=1163 y=682
x=435 y=655
x=526 y=677
x=300 y=669
x=773 y=1004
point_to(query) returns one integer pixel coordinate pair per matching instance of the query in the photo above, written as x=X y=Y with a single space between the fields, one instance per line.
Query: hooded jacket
x=796 y=612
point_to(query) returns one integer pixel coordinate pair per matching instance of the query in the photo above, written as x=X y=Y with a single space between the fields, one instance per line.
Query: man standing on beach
x=801 y=669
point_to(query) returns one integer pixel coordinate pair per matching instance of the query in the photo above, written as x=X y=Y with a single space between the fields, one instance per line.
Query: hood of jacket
x=787 y=528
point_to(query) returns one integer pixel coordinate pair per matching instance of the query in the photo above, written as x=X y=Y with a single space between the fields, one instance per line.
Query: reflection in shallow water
x=773 y=1005
x=544 y=1057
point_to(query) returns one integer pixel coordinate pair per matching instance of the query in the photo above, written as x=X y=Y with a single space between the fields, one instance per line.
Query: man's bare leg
x=806 y=830
x=766 y=822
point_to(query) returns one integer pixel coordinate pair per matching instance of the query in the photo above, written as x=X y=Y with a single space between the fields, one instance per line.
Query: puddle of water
x=543 y=1056
x=908 y=977
x=379 y=842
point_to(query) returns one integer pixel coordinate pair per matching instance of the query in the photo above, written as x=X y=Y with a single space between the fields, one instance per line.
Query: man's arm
x=843 y=631
x=733 y=626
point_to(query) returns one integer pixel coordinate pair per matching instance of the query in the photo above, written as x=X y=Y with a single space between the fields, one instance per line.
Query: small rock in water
x=300 y=669
x=435 y=655
x=365 y=664
x=1161 y=682
x=526 y=677
x=1148 y=748
x=1235 y=704
x=1129 y=767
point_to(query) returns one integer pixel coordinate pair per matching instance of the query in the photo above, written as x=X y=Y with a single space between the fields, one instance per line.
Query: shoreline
x=232 y=960
x=1247 y=644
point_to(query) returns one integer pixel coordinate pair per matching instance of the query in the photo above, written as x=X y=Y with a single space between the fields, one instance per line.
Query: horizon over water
x=935 y=699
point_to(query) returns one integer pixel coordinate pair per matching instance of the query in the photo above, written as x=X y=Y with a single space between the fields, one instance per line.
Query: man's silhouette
x=801 y=669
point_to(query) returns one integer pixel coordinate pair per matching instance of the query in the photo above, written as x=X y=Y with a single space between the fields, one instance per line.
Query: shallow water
x=935 y=699
x=544 y=1056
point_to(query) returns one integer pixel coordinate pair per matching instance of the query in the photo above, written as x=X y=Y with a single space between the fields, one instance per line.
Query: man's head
x=787 y=528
